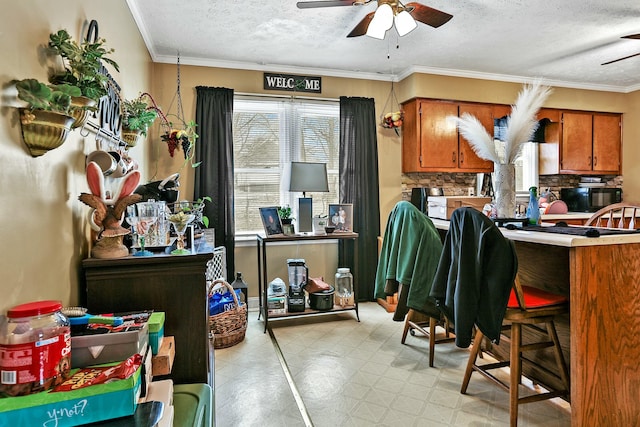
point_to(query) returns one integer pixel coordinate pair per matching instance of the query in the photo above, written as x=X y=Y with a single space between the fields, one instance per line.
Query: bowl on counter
x=329 y=229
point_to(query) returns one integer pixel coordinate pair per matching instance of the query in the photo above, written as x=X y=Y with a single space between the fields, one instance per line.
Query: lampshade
x=381 y=22
x=303 y=177
x=404 y=23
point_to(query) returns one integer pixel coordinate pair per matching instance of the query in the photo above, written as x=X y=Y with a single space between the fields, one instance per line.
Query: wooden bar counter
x=601 y=276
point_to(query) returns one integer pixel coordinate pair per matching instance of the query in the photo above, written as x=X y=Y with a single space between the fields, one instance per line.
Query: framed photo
x=271 y=220
x=341 y=216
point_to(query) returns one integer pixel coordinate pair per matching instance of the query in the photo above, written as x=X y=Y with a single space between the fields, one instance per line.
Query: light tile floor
x=349 y=373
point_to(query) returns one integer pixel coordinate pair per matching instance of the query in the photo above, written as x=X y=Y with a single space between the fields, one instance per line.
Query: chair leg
x=432 y=340
x=557 y=350
x=407 y=326
x=472 y=360
x=515 y=369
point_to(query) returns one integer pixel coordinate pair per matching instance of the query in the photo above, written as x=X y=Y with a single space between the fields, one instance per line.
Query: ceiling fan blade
x=361 y=28
x=632 y=36
x=325 y=3
x=620 y=59
x=428 y=15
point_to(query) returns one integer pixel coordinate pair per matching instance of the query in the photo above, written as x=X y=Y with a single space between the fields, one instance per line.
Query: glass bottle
x=344 y=286
x=533 y=209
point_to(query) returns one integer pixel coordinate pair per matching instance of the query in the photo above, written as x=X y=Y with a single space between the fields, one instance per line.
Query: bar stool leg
x=515 y=369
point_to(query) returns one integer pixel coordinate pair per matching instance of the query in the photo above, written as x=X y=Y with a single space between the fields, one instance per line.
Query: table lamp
x=303 y=177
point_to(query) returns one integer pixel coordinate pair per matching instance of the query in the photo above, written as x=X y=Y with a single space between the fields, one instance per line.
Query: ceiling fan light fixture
x=381 y=22
x=404 y=23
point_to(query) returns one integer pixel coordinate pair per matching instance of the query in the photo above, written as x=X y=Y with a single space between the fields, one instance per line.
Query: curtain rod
x=265 y=95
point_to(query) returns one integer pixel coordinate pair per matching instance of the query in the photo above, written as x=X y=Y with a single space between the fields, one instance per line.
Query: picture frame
x=271 y=220
x=341 y=216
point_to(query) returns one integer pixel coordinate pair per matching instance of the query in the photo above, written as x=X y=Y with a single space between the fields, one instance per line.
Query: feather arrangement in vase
x=521 y=124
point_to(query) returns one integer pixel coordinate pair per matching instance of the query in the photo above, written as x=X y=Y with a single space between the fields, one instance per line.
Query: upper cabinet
x=582 y=143
x=430 y=141
x=591 y=143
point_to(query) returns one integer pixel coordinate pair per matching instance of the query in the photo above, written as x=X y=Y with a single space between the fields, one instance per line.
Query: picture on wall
x=341 y=216
x=271 y=220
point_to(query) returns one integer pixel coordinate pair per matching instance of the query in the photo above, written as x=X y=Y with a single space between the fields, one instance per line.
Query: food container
x=442 y=207
x=322 y=300
x=35 y=348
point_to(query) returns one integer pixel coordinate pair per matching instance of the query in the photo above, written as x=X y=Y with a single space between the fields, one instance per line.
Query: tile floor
x=348 y=373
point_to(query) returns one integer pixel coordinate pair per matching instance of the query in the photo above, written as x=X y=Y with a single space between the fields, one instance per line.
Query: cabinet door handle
x=461 y=157
x=453 y=157
x=595 y=161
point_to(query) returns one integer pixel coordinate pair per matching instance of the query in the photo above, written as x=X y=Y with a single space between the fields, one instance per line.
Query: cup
x=104 y=160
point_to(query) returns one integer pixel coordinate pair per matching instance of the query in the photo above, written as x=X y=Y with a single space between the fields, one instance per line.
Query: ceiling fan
x=404 y=16
x=631 y=36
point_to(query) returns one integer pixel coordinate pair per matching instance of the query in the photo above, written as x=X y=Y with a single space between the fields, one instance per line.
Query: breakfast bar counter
x=601 y=277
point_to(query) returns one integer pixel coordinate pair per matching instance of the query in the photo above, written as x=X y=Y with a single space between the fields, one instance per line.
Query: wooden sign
x=292 y=83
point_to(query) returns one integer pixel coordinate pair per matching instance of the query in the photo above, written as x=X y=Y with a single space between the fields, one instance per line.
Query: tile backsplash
x=459 y=184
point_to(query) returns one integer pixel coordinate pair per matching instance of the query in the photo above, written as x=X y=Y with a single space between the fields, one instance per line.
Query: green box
x=156 y=331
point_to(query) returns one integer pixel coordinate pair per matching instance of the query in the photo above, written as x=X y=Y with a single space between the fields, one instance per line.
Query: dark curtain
x=214 y=177
x=358 y=169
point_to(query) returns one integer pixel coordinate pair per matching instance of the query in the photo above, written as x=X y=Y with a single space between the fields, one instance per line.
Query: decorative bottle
x=533 y=209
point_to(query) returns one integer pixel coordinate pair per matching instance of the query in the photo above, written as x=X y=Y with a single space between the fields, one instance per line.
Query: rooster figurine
x=108 y=212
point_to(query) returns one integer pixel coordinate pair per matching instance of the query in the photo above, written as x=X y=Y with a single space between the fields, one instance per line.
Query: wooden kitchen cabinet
x=591 y=143
x=430 y=141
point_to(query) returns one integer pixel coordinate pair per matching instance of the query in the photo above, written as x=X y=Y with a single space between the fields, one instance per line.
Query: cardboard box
x=162 y=363
x=277 y=305
x=442 y=207
x=87 y=350
x=156 y=331
x=72 y=408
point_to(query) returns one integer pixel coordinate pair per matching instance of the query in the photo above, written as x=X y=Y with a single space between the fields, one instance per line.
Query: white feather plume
x=522 y=122
x=480 y=140
x=521 y=125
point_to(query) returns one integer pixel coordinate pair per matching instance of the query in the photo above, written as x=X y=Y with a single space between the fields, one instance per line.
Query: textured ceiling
x=562 y=41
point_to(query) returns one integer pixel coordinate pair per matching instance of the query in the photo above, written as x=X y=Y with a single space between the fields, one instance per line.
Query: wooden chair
x=527 y=307
x=617 y=215
x=416 y=320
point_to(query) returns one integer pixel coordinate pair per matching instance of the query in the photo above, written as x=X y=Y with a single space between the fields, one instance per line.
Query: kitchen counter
x=601 y=337
x=555 y=239
x=568 y=216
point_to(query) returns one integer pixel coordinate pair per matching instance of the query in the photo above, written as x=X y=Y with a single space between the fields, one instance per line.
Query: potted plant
x=137 y=116
x=82 y=63
x=185 y=138
x=284 y=212
x=45 y=122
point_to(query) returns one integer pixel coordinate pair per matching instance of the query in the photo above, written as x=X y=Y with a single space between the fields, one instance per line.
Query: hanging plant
x=392 y=119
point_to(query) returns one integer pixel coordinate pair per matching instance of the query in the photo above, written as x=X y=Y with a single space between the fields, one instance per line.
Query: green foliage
x=284 y=212
x=82 y=63
x=137 y=114
x=38 y=95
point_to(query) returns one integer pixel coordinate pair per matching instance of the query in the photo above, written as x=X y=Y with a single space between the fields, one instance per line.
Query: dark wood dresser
x=173 y=284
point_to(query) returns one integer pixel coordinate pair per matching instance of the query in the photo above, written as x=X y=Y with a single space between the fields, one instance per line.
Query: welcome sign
x=292 y=83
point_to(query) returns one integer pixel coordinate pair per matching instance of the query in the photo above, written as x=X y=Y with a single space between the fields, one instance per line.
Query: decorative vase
x=44 y=130
x=109 y=247
x=504 y=188
x=80 y=109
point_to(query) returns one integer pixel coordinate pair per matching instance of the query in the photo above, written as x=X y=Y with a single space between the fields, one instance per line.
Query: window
x=267 y=134
x=527 y=168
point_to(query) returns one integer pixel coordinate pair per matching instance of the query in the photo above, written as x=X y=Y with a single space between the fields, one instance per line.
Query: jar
x=344 y=287
x=35 y=348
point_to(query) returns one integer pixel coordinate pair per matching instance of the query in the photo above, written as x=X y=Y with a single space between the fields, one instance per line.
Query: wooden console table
x=173 y=284
x=262 y=242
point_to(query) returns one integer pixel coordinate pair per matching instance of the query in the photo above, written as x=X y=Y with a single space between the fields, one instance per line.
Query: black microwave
x=589 y=199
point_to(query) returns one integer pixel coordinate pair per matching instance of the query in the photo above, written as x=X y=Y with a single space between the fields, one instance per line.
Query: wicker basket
x=227 y=328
